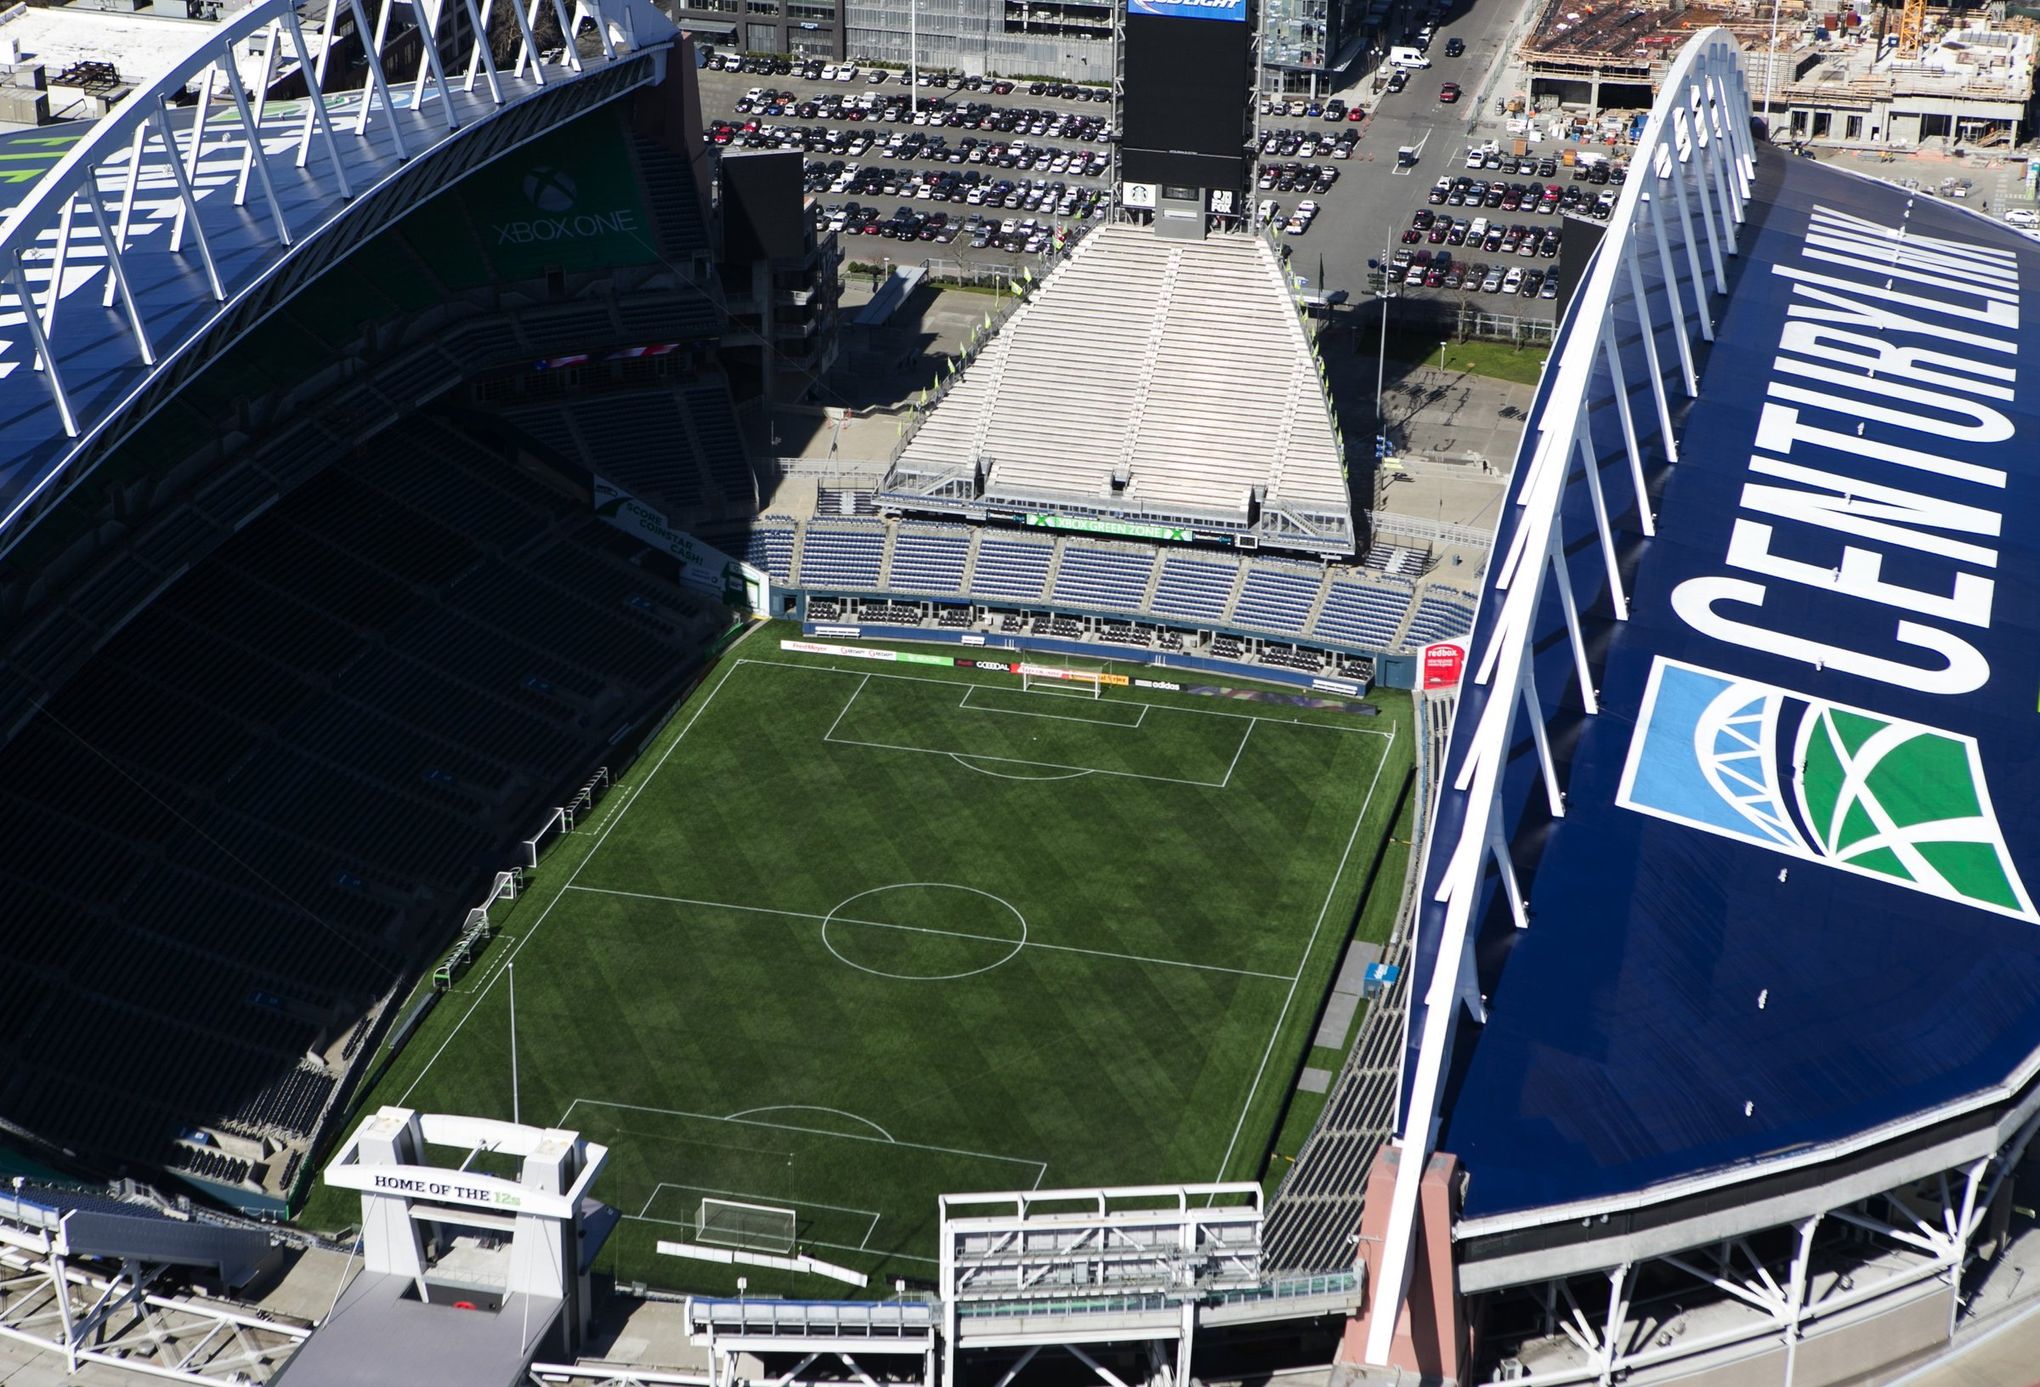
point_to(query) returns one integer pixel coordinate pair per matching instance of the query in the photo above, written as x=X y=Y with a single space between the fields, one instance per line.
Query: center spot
x=924 y=931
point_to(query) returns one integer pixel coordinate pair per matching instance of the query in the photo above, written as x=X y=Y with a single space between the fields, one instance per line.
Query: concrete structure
x=1068 y=39
x=466 y=1277
x=1973 y=88
x=1148 y=382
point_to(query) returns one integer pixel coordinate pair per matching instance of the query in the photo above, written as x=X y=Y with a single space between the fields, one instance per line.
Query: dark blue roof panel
x=1791 y=900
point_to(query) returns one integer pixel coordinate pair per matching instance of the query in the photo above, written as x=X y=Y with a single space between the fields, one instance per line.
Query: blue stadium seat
x=841 y=555
x=769 y=546
x=1114 y=579
x=1362 y=613
x=929 y=560
x=1276 y=599
x=1194 y=589
x=1442 y=614
x=1010 y=569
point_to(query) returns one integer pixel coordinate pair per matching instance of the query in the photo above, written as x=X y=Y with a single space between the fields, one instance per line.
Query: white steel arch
x=176 y=214
x=1693 y=166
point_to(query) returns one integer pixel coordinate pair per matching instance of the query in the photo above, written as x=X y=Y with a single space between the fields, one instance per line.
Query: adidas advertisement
x=1820 y=781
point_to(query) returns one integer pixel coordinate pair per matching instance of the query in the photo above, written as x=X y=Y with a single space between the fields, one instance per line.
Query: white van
x=1407 y=58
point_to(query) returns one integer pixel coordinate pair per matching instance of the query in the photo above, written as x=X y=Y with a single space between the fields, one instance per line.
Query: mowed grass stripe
x=1077 y=1060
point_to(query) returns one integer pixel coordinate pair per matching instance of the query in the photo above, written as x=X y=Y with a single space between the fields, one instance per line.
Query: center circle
x=924 y=931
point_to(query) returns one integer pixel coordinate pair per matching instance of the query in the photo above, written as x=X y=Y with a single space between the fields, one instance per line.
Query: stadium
x=509 y=881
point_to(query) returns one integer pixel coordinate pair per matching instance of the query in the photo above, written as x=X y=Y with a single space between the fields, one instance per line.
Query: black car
x=1454 y=47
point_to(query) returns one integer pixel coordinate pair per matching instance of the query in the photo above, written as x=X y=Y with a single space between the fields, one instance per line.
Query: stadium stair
x=1239 y=585
x=1317 y=605
x=1147 y=594
x=1055 y=558
x=1166 y=296
x=970 y=562
x=793 y=577
x=885 y=555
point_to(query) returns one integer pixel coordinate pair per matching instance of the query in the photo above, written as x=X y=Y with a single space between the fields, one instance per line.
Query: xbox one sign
x=554 y=192
x=550 y=189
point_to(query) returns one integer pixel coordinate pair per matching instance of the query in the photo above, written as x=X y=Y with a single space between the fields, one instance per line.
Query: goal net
x=1057 y=679
x=753 y=1227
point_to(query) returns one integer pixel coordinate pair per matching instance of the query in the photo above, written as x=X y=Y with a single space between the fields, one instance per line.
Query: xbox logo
x=549 y=189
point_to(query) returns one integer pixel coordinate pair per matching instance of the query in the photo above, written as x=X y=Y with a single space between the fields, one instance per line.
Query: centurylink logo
x=1820 y=781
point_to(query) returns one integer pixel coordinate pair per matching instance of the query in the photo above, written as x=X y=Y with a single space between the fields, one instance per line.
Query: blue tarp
x=1806 y=913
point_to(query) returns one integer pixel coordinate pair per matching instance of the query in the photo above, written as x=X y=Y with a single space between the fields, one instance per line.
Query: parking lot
x=991 y=172
x=966 y=169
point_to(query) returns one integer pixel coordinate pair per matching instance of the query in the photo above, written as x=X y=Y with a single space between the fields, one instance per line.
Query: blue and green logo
x=1821 y=781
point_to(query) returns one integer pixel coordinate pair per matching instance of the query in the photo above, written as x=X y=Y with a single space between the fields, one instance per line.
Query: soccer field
x=852 y=935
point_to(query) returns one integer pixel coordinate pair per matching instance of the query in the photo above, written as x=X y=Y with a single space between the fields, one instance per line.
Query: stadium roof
x=1789 y=905
x=1165 y=378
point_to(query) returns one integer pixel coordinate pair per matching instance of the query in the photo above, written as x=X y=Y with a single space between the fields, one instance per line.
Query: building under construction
x=1611 y=56
x=1969 y=88
x=1899 y=76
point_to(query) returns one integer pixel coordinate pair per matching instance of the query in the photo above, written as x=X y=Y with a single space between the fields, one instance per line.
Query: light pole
x=1771 y=68
x=1381 y=297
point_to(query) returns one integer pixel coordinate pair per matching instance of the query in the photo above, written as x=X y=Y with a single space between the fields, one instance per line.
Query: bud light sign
x=1234 y=10
x=1443 y=664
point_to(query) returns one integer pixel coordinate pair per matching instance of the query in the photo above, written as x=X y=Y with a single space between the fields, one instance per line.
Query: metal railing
x=174 y=217
x=1691 y=173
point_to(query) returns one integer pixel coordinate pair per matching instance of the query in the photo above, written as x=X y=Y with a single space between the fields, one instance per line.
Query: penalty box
x=821 y=1163
x=1008 y=727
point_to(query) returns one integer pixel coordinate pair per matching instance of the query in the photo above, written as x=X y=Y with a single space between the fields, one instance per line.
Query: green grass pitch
x=851 y=935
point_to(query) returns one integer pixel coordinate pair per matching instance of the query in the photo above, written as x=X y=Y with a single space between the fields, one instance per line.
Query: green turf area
x=853 y=935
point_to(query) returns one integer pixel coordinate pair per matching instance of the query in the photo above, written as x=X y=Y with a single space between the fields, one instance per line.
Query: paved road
x=1371 y=203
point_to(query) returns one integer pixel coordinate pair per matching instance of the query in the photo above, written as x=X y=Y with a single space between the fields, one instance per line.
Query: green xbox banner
x=569 y=200
x=738 y=584
x=1133 y=529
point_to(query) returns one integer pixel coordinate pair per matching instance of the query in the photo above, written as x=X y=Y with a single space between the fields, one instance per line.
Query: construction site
x=1903 y=76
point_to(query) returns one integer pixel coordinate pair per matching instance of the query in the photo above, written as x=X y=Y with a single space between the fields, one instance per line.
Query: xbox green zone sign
x=1823 y=782
x=1131 y=529
x=737 y=584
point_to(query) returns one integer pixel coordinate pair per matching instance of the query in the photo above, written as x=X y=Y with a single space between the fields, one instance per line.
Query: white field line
x=987 y=684
x=509 y=955
x=796 y=1127
x=773 y=1201
x=1234 y=764
x=970 y=689
x=1022 y=761
x=925 y=929
x=1311 y=943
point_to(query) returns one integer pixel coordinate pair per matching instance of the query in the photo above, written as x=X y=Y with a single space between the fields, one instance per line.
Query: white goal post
x=753 y=1227
x=1059 y=679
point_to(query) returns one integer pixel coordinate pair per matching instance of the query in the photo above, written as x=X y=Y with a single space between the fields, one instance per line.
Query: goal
x=1058 y=679
x=753 y=1227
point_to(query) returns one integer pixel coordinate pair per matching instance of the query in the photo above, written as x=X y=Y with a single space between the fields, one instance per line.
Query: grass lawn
x=851 y=935
x=1501 y=360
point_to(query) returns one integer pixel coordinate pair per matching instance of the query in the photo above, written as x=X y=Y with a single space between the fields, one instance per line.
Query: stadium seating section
x=678 y=448
x=1137 y=596
x=1441 y=613
x=262 y=805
